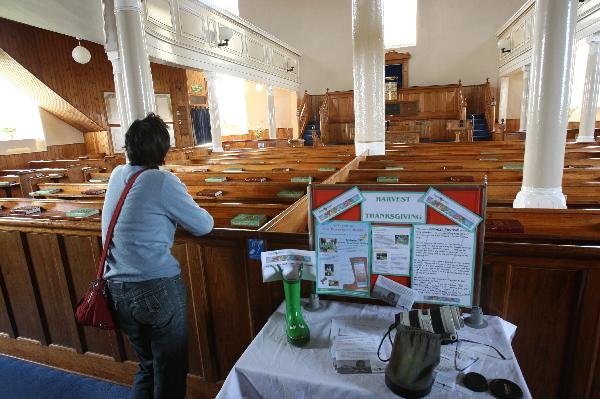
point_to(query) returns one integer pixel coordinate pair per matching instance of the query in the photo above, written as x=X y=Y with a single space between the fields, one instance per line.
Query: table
x=271 y=368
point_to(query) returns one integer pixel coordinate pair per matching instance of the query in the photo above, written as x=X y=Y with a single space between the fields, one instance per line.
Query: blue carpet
x=23 y=380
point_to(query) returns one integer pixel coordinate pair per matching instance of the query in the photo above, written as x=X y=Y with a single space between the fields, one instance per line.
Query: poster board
x=428 y=237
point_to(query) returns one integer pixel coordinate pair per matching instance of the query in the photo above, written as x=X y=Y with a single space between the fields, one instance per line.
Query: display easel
x=469 y=196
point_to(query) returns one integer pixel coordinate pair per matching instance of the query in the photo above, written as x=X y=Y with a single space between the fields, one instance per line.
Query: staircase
x=480 y=127
x=307 y=134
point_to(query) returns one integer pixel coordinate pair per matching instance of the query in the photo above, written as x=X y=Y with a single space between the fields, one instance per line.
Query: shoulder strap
x=113 y=222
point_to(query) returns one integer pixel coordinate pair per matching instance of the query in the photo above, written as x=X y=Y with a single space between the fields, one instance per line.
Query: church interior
x=276 y=110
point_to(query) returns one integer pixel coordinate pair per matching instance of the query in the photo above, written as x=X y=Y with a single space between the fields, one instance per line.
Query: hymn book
x=209 y=193
x=26 y=210
x=256 y=179
x=216 y=179
x=248 y=220
x=290 y=194
x=82 y=212
x=94 y=191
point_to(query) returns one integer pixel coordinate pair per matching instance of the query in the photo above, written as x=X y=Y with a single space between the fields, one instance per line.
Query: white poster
x=393 y=207
x=391 y=250
x=443 y=264
x=343 y=257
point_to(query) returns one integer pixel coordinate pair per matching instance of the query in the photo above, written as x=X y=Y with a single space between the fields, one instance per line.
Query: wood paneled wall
x=47 y=55
x=20 y=161
x=98 y=142
x=475 y=96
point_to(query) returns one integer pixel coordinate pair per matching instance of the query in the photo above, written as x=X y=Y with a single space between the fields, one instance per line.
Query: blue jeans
x=153 y=315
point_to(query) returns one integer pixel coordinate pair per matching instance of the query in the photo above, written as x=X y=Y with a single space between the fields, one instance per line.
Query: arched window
x=399 y=23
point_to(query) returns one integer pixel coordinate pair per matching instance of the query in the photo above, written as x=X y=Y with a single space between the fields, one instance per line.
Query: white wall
x=515 y=96
x=58 y=132
x=455 y=39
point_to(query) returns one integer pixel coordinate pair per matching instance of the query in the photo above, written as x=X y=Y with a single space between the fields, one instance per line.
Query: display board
x=427 y=237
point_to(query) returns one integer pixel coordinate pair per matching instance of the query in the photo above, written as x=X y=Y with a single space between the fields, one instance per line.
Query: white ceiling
x=77 y=18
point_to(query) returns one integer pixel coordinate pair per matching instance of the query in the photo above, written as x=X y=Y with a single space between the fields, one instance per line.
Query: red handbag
x=93 y=309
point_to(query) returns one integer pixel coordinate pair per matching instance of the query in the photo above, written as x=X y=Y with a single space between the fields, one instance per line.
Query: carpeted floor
x=23 y=380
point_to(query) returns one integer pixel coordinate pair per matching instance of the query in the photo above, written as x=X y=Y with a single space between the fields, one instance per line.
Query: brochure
x=391 y=250
x=289 y=260
x=394 y=293
x=343 y=258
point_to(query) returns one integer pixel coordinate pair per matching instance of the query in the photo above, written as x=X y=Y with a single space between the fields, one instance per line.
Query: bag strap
x=113 y=222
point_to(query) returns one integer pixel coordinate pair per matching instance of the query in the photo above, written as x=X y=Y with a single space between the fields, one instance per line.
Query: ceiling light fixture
x=80 y=54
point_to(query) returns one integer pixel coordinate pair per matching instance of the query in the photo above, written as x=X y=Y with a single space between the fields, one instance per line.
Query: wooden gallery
x=373 y=168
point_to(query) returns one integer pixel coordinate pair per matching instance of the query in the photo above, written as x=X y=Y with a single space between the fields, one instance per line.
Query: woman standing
x=145 y=287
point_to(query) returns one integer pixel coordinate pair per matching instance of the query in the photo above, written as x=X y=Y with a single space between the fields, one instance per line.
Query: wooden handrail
x=324 y=115
x=490 y=106
x=302 y=113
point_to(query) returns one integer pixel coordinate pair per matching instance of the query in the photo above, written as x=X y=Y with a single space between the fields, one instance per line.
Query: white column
x=213 y=110
x=137 y=78
x=553 y=40
x=368 y=69
x=591 y=91
x=271 y=112
x=525 y=99
x=503 y=105
x=115 y=60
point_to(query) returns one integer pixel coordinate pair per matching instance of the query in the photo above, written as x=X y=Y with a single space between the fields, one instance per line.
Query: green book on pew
x=290 y=194
x=513 y=166
x=394 y=168
x=82 y=212
x=326 y=169
x=47 y=191
x=387 y=179
x=216 y=179
x=229 y=170
x=301 y=179
x=248 y=220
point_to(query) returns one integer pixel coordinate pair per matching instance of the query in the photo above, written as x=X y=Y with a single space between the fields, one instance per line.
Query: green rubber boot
x=297 y=331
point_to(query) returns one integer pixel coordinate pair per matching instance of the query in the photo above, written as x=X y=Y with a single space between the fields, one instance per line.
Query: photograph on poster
x=393 y=207
x=451 y=209
x=391 y=250
x=343 y=257
x=339 y=204
x=443 y=264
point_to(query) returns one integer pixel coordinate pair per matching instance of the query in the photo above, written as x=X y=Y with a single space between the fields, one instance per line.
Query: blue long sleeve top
x=141 y=246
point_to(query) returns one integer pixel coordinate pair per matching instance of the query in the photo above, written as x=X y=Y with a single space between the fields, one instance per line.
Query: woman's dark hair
x=147 y=141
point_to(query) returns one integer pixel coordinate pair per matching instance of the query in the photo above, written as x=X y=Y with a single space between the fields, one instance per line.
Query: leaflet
x=443 y=264
x=394 y=293
x=354 y=345
x=343 y=258
x=451 y=209
x=339 y=204
x=391 y=250
x=289 y=262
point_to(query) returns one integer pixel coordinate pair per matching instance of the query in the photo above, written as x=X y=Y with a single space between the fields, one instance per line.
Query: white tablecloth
x=272 y=368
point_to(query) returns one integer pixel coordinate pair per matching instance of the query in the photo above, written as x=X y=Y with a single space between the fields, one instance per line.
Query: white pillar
x=137 y=78
x=503 y=105
x=115 y=60
x=591 y=91
x=271 y=112
x=213 y=110
x=368 y=69
x=553 y=40
x=525 y=99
